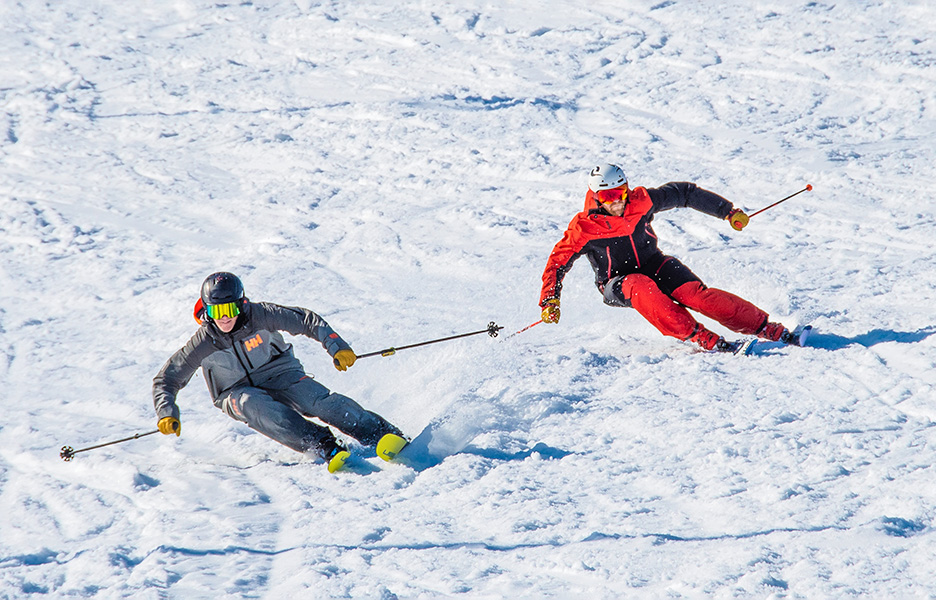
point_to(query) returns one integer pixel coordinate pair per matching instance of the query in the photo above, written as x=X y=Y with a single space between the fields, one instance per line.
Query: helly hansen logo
x=253 y=342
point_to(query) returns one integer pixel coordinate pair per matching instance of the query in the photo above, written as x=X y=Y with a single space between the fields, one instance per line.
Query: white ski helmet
x=606 y=177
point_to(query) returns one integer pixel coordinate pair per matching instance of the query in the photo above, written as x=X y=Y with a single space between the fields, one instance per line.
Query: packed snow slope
x=404 y=169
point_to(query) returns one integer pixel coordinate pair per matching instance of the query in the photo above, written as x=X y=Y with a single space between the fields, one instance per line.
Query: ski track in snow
x=404 y=171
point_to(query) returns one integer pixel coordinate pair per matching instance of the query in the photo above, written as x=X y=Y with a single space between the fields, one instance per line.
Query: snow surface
x=404 y=169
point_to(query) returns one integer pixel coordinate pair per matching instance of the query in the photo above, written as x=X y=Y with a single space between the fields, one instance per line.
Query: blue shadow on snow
x=830 y=341
x=897 y=527
x=547 y=452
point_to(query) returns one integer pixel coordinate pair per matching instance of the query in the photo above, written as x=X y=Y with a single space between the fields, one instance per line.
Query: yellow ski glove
x=738 y=219
x=170 y=425
x=344 y=359
x=551 y=311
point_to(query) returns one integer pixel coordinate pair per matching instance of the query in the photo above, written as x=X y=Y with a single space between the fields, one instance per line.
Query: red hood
x=638 y=204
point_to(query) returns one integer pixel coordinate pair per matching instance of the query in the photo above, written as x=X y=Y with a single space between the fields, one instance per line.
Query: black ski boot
x=334 y=454
x=723 y=345
x=797 y=337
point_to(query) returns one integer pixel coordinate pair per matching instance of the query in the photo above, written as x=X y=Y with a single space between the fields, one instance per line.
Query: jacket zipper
x=234 y=346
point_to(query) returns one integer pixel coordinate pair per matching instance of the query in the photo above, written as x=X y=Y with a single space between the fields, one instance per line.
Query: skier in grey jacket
x=254 y=377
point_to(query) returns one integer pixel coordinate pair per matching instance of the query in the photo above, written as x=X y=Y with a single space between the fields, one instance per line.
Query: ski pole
x=491 y=330
x=524 y=329
x=808 y=188
x=69 y=453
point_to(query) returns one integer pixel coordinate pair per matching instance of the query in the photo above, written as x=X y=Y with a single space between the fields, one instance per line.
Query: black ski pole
x=69 y=453
x=808 y=188
x=491 y=330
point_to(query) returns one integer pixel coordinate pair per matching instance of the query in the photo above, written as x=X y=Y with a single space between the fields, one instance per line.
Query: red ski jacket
x=626 y=244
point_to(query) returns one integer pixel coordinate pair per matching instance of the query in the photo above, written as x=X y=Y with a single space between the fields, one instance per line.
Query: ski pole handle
x=386 y=352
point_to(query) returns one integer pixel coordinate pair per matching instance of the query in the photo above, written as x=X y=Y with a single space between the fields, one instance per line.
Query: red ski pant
x=669 y=314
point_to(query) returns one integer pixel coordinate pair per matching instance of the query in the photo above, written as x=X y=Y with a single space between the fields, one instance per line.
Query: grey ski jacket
x=252 y=354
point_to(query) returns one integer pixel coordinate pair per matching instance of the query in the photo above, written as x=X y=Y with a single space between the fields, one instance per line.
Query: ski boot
x=723 y=345
x=797 y=337
x=335 y=456
x=390 y=446
x=772 y=332
x=706 y=339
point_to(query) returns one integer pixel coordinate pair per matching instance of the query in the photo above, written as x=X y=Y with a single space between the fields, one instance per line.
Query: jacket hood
x=596 y=221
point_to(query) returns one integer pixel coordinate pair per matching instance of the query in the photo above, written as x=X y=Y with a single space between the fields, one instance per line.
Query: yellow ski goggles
x=218 y=311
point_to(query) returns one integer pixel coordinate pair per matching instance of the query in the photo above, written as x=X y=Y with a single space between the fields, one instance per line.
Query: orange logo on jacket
x=253 y=342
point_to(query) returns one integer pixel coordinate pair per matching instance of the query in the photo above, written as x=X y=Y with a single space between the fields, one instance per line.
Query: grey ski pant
x=278 y=411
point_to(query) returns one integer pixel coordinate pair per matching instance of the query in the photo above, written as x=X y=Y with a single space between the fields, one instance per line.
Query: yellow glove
x=170 y=425
x=738 y=219
x=344 y=359
x=551 y=311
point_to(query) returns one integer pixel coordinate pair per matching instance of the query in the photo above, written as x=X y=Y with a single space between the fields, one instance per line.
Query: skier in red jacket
x=614 y=231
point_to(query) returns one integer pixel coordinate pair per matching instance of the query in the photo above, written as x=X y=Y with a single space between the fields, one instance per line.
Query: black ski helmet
x=221 y=288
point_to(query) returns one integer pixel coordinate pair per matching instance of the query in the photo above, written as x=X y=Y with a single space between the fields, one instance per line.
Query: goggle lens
x=219 y=311
x=612 y=196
